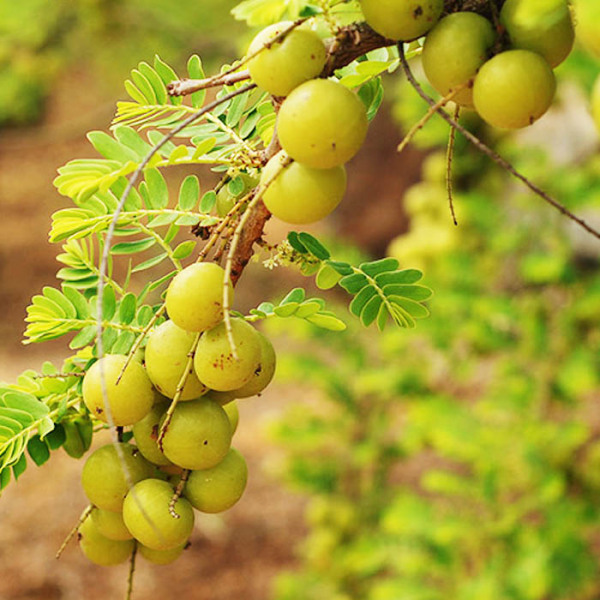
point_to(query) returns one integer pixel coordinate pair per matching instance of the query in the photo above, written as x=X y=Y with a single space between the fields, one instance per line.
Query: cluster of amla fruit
x=180 y=404
x=320 y=126
x=503 y=70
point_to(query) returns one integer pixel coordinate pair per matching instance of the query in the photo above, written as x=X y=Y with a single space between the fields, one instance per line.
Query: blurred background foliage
x=460 y=460
x=40 y=40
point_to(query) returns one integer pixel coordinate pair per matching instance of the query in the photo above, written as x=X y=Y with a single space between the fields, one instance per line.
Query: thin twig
x=425 y=118
x=491 y=153
x=449 y=158
x=132 y=559
x=185 y=87
x=140 y=339
x=178 y=491
x=182 y=381
x=84 y=515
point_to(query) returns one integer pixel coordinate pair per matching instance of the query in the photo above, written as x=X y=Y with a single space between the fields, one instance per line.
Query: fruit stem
x=132 y=560
x=189 y=366
x=178 y=492
x=140 y=339
x=432 y=111
x=449 y=157
x=84 y=515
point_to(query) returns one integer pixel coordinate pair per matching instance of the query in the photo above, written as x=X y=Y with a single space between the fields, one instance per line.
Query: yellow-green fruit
x=217 y=489
x=299 y=194
x=233 y=414
x=453 y=52
x=100 y=549
x=283 y=65
x=146 y=434
x=129 y=400
x=110 y=524
x=161 y=557
x=322 y=124
x=215 y=363
x=147 y=516
x=402 y=19
x=195 y=297
x=595 y=101
x=103 y=477
x=167 y=353
x=198 y=436
x=514 y=89
x=263 y=374
x=542 y=26
x=587 y=24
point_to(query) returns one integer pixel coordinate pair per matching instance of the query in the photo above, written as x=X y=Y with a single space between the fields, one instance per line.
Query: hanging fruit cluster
x=502 y=69
x=183 y=415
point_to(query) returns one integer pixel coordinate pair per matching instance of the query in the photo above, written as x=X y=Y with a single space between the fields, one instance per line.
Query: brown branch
x=485 y=149
x=350 y=43
x=250 y=234
x=185 y=87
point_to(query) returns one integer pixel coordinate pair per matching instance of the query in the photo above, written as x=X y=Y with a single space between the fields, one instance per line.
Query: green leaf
x=307 y=309
x=208 y=201
x=371 y=310
x=109 y=302
x=127 y=308
x=379 y=266
x=287 y=309
x=184 y=249
x=38 y=450
x=19 y=467
x=78 y=300
x=84 y=338
x=155 y=81
x=189 y=193
x=353 y=283
x=362 y=299
x=55 y=438
x=414 y=309
x=340 y=267
x=327 y=277
x=158 y=194
x=195 y=71
x=297 y=295
x=133 y=247
x=295 y=242
x=405 y=276
x=188 y=220
x=327 y=321
x=109 y=148
x=313 y=245
x=151 y=262
x=414 y=292
x=124 y=342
